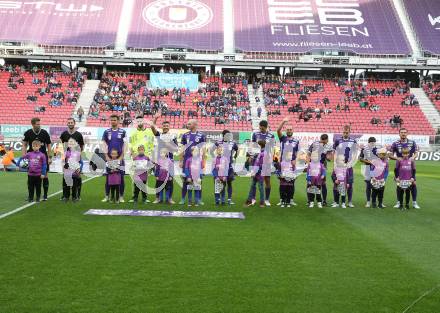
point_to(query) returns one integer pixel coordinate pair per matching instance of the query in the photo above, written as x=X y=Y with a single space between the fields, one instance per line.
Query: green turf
x=55 y=259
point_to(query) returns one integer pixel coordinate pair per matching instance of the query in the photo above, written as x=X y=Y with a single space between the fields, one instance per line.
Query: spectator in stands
x=40 y=109
x=80 y=113
x=31 y=98
x=374 y=107
x=327 y=111
x=12 y=85
x=375 y=121
x=396 y=121
x=318 y=115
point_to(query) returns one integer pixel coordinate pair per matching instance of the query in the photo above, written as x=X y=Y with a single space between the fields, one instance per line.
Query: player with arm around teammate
x=165 y=141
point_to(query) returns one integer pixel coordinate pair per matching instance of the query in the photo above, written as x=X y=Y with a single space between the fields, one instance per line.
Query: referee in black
x=71 y=132
x=36 y=133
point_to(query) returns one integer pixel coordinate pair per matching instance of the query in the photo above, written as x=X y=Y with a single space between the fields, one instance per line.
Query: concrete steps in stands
x=85 y=100
x=427 y=107
x=254 y=106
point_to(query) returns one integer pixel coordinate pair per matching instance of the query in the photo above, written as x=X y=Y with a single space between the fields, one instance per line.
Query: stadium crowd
x=120 y=92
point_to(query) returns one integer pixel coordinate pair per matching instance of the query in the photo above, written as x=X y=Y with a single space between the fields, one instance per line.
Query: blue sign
x=170 y=81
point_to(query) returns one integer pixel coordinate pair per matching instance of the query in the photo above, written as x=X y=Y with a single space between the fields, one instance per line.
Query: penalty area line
x=4 y=215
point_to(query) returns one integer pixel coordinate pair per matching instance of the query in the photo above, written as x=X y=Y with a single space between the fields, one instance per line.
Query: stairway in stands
x=427 y=107
x=86 y=99
x=254 y=106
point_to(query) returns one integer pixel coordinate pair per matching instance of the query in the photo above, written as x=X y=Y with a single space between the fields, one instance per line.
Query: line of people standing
x=151 y=149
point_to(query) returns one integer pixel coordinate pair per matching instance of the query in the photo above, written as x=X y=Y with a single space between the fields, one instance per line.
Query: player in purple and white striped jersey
x=166 y=141
x=230 y=150
x=289 y=147
x=324 y=150
x=269 y=138
x=348 y=147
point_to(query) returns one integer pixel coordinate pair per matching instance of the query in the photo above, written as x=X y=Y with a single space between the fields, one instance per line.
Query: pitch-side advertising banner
x=15 y=131
x=360 y=26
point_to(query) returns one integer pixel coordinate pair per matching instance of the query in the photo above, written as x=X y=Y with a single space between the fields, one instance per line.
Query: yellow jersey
x=141 y=137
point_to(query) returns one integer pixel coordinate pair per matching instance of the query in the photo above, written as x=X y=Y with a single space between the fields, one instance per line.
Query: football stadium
x=219 y=156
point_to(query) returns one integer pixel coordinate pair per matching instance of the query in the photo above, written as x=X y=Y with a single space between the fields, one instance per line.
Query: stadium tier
x=318 y=105
x=49 y=95
x=314 y=105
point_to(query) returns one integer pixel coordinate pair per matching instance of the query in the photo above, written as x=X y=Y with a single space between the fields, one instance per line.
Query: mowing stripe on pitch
x=33 y=203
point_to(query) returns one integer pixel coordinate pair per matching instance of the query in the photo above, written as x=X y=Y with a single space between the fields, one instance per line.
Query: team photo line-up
x=149 y=150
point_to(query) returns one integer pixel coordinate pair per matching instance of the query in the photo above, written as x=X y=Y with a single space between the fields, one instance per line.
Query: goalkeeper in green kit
x=141 y=136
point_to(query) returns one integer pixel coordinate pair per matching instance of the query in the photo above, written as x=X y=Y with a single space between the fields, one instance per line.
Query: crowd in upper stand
x=225 y=99
x=311 y=102
x=47 y=81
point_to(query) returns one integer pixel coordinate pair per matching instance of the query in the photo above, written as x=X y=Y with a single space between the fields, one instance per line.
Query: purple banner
x=196 y=24
x=61 y=22
x=425 y=16
x=360 y=26
x=150 y=213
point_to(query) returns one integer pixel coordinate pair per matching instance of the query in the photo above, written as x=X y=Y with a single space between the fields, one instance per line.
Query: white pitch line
x=2 y=216
x=427 y=293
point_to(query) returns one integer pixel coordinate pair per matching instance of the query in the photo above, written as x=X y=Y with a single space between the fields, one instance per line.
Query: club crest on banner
x=178 y=15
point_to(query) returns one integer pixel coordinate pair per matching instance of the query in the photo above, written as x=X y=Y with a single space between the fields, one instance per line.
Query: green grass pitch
x=55 y=259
